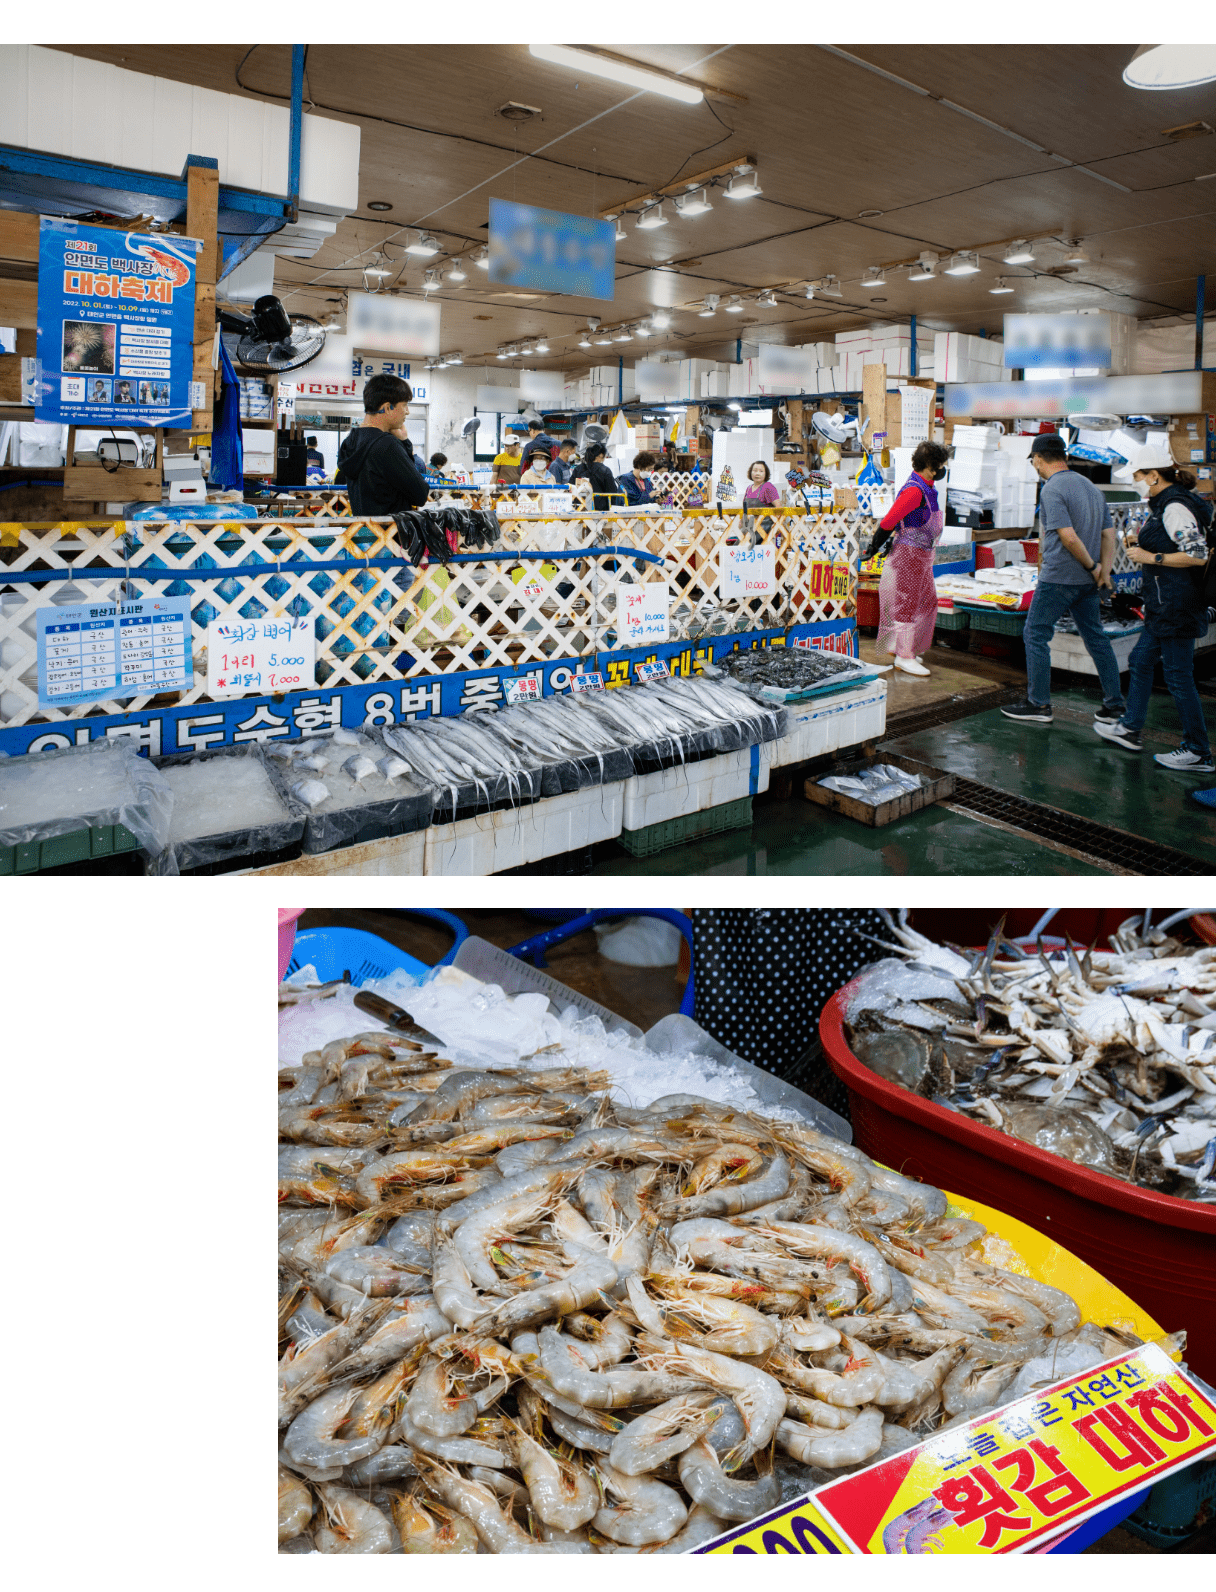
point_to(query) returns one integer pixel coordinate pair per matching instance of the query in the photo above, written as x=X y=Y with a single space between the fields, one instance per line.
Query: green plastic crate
x=82 y=845
x=1177 y=1508
x=692 y=826
x=998 y=623
x=958 y=620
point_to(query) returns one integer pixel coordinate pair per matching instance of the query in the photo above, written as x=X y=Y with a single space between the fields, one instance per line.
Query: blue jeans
x=1052 y=600
x=1177 y=654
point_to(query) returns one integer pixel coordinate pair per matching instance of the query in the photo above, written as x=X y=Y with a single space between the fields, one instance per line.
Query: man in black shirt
x=600 y=476
x=538 y=437
x=377 y=468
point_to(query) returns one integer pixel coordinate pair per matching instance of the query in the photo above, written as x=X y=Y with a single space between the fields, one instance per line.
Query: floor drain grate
x=1114 y=847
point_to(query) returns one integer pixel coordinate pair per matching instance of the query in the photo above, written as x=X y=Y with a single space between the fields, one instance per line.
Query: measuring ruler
x=492 y=965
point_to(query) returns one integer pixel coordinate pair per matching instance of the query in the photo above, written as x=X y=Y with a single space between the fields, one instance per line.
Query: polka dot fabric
x=764 y=976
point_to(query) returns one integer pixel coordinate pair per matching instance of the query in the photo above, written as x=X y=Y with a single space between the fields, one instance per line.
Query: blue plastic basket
x=337 y=952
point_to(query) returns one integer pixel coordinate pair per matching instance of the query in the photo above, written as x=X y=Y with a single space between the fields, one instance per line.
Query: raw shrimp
x=863 y=1258
x=602 y=1390
x=729 y=1163
x=295 y=1505
x=701 y=1526
x=849 y=1177
x=975 y=1384
x=460 y=1093
x=928 y=1203
x=759 y=1398
x=562 y=1493
x=477 y=1233
x=997 y=1305
x=495 y=1528
x=647 y=1511
x=410 y=1237
x=830 y=1450
x=310 y=1438
x=729 y=1199
x=1060 y=1309
x=376 y=1272
x=577 y=1289
x=406 y=1324
x=660 y=1434
x=908 y=1382
x=432 y=1530
x=728 y=1498
x=454 y=1292
x=352 y=1525
x=305 y=1368
x=408 y=1166
x=734 y=1327
x=389 y=1463
x=459 y=1450
x=807 y=1336
x=857 y=1384
x=814 y=1412
x=603 y=1340
x=432 y=1407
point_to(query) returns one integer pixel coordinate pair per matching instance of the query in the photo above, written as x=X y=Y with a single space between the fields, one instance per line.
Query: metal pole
x=297 y=127
x=620 y=381
x=912 y=358
x=1200 y=285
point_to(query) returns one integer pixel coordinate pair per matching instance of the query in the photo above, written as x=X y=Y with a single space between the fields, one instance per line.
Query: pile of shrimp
x=1106 y=1057
x=517 y=1317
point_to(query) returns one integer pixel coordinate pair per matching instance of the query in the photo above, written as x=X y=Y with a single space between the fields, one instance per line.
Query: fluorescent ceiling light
x=1001 y=286
x=693 y=204
x=651 y=218
x=1019 y=253
x=482 y=258
x=925 y=269
x=964 y=263
x=456 y=272
x=874 y=277
x=617 y=72
x=1171 y=66
x=733 y=305
x=423 y=244
x=744 y=187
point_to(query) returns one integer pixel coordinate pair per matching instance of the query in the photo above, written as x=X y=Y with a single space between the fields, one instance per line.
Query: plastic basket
x=82 y=845
x=691 y=826
x=997 y=622
x=1159 y=1250
x=1177 y=1507
x=336 y=952
x=958 y=620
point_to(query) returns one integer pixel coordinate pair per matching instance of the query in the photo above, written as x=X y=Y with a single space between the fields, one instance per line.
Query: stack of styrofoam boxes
x=959 y=357
x=676 y=792
x=689 y=383
x=492 y=842
x=973 y=468
x=1016 y=485
x=827 y=725
x=743 y=379
x=715 y=383
x=612 y=384
x=882 y=345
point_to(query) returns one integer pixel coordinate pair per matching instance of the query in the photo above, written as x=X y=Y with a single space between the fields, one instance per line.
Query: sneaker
x=1028 y=712
x=1186 y=760
x=1120 y=734
x=1106 y=715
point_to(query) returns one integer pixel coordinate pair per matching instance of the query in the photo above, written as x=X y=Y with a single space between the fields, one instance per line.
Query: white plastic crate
x=492 y=842
x=676 y=792
x=1069 y=652
x=828 y=725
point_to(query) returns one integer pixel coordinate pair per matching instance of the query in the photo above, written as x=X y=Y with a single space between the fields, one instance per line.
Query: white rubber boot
x=910 y=666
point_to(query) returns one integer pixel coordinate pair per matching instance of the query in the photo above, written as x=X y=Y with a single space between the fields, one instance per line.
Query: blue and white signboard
x=105 y=651
x=1057 y=342
x=551 y=251
x=115 y=326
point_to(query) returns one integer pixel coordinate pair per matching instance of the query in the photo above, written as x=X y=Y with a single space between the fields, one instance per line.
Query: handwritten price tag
x=526 y=689
x=587 y=682
x=651 y=671
x=747 y=571
x=642 y=613
x=260 y=656
x=533 y=587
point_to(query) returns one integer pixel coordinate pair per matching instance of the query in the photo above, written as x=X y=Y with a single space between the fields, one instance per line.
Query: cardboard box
x=1193 y=440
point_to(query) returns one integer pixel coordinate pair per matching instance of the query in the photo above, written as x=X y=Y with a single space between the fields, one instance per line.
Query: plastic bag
x=640 y=942
x=46 y=794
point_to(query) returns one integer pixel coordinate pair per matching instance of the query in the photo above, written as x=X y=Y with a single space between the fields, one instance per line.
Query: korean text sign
x=747 y=571
x=115 y=326
x=250 y=657
x=1008 y=1481
x=99 y=652
x=641 y=612
x=551 y=251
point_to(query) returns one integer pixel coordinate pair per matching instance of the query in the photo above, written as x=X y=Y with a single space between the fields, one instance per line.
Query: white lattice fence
x=376 y=624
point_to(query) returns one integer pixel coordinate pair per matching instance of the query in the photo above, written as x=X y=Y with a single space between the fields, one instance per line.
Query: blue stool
x=533 y=950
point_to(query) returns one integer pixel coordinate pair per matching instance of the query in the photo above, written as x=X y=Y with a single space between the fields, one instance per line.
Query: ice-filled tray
x=226 y=806
x=337 y=786
x=46 y=794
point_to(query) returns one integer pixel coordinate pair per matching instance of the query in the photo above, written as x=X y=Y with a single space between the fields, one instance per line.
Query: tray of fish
x=794 y=674
x=535 y=1299
x=227 y=807
x=466 y=767
x=878 y=793
x=347 y=788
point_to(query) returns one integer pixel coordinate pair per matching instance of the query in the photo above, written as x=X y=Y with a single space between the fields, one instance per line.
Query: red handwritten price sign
x=254 y=657
x=1009 y=1481
x=593 y=681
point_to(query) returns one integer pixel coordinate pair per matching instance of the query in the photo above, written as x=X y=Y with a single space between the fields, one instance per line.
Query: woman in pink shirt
x=761 y=493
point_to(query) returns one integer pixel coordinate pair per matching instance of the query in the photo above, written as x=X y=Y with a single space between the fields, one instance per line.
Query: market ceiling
x=856 y=170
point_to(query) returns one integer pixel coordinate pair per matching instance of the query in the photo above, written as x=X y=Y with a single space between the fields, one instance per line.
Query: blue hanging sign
x=115 y=326
x=551 y=251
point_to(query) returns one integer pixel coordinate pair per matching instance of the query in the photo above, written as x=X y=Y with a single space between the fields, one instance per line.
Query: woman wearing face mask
x=636 y=485
x=907 y=597
x=537 y=473
x=1171 y=548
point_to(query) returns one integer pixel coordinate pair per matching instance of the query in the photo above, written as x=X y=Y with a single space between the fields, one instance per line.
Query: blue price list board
x=551 y=251
x=105 y=651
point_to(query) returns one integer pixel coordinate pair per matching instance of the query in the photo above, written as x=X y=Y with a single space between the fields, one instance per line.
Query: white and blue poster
x=115 y=326
x=100 y=652
x=551 y=251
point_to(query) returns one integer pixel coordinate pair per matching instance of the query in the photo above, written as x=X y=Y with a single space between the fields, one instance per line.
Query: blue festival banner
x=203 y=726
x=551 y=251
x=115 y=326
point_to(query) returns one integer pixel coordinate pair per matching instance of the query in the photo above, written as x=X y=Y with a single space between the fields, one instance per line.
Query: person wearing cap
x=1171 y=547
x=537 y=473
x=1076 y=551
x=507 y=463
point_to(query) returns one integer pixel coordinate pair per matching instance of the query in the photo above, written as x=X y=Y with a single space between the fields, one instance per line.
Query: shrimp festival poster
x=115 y=326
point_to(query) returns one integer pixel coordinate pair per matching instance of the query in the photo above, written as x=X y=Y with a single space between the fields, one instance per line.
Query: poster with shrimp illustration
x=115 y=326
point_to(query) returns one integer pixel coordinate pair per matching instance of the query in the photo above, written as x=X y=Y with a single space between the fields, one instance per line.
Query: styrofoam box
x=492 y=842
x=987 y=437
x=971 y=469
x=1069 y=652
x=676 y=792
x=827 y=725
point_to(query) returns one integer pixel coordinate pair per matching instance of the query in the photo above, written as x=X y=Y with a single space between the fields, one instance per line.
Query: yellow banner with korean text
x=1009 y=1481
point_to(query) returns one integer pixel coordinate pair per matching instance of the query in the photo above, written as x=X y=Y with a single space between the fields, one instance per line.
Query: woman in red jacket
x=907 y=597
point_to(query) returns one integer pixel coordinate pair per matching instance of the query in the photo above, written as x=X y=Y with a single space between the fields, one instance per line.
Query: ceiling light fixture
x=733 y=305
x=1018 y=253
x=767 y=298
x=651 y=218
x=965 y=263
x=378 y=265
x=502 y=353
x=584 y=340
x=830 y=287
x=641 y=329
x=430 y=281
x=1074 y=254
x=424 y=243
x=378 y=204
x=456 y=272
x=542 y=344
x=622 y=335
x=512 y=350
x=455 y=359
x=744 y=185
x=710 y=306
x=618 y=72
x=695 y=203
x=1001 y=286
x=525 y=350
x=874 y=277
x=620 y=233
x=602 y=340
x=810 y=290
x=661 y=319
x=1171 y=66
x=925 y=269
x=481 y=259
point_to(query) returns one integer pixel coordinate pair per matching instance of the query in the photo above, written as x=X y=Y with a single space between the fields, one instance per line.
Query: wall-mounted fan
x=269 y=341
x=835 y=428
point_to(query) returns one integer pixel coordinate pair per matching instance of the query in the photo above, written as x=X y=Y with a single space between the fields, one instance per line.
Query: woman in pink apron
x=907 y=597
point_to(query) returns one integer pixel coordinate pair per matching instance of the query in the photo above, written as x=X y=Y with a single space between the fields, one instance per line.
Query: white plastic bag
x=639 y=942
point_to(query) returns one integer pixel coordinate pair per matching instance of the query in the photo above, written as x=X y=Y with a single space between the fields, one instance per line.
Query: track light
x=456 y=273
x=1171 y=66
x=617 y=72
x=1001 y=286
x=585 y=340
x=1018 y=253
x=660 y=319
x=710 y=306
x=924 y=270
x=733 y=305
x=830 y=287
x=501 y=354
x=874 y=277
x=455 y=359
x=602 y=340
x=695 y=203
x=744 y=186
x=481 y=258
x=512 y=350
x=809 y=290
x=965 y=263
x=620 y=233
x=525 y=349
x=654 y=217
x=767 y=298
x=379 y=265
x=641 y=329
x=430 y=281
x=1074 y=254
x=542 y=345
x=622 y=335
x=424 y=243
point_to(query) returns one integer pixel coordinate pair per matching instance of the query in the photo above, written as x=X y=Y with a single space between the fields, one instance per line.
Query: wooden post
x=874 y=400
x=202 y=206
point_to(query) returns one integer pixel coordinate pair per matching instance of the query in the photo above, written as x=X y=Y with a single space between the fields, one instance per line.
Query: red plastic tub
x=1159 y=1250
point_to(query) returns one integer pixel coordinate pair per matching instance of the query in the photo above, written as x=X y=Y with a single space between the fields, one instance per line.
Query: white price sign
x=651 y=671
x=587 y=682
x=526 y=689
x=747 y=571
x=257 y=657
x=533 y=587
x=641 y=613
